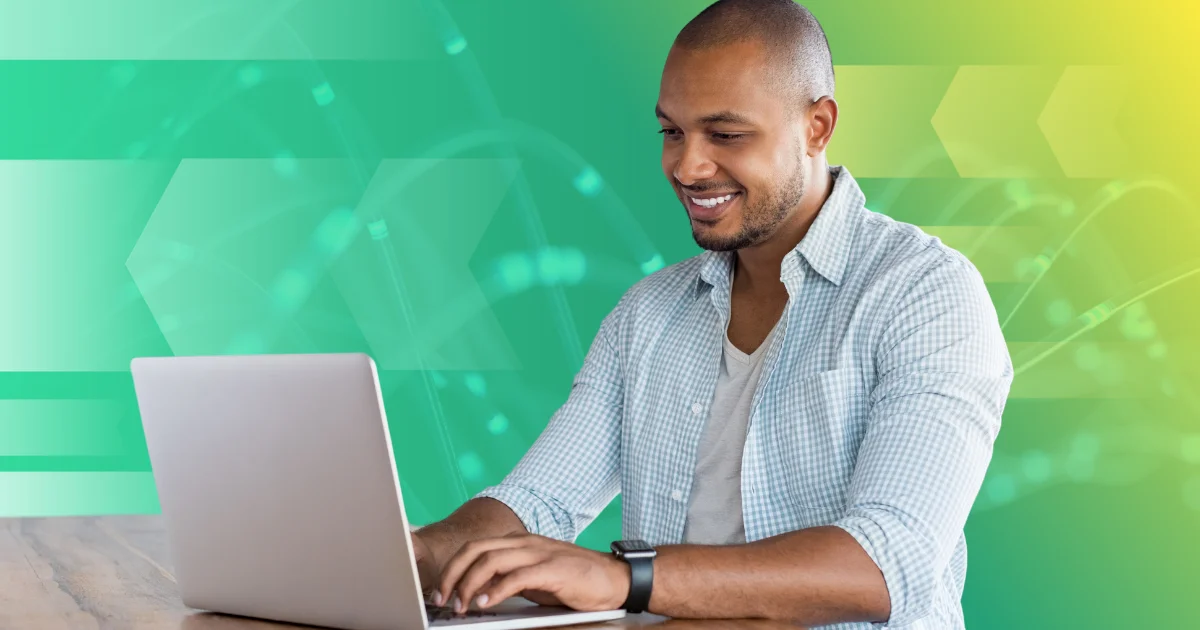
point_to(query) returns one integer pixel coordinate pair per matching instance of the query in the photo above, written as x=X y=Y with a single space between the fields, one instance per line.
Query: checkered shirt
x=876 y=412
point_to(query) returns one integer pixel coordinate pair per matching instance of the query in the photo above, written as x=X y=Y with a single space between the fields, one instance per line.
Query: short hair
x=793 y=38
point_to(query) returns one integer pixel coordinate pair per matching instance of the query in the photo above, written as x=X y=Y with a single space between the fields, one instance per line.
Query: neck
x=758 y=266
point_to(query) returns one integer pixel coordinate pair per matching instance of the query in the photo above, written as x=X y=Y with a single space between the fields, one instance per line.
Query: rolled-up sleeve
x=572 y=470
x=944 y=375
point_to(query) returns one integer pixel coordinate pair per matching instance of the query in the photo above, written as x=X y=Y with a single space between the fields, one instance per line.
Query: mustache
x=704 y=187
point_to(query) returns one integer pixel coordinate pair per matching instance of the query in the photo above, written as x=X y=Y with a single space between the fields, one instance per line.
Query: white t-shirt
x=715 y=506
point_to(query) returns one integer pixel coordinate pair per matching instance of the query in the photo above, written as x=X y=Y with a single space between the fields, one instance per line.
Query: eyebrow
x=725 y=116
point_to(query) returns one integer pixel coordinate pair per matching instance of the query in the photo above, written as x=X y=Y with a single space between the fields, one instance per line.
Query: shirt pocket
x=820 y=424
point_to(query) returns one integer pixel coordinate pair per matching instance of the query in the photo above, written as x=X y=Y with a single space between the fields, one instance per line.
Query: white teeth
x=711 y=203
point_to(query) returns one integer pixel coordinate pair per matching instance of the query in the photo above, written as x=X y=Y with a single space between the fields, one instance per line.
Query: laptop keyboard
x=443 y=613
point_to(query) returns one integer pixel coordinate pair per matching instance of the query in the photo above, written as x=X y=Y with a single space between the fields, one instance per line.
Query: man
x=798 y=419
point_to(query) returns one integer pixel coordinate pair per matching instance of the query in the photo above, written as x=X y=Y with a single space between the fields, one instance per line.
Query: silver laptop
x=280 y=495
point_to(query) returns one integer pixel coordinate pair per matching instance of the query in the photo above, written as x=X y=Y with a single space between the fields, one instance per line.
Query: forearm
x=813 y=577
x=474 y=520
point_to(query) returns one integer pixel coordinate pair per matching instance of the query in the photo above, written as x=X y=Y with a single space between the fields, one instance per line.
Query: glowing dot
x=498 y=424
x=1002 y=488
x=378 y=229
x=167 y=323
x=285 y=164
x=560 y=266
x=1036 y=466
x=439 y=381
x=1088 y=356
x=1059 y=312
x=475 y=384
x=1113 y=190
x=1111 y=372
x=1016 y=188
x=588 y=182
x=1157 y=350
x=1023 y=268
x=1066 y=208
x=250 y=75
x=1189 y=448
x=470 y=465
x=573 y=266
x=1081 y=460
x=323 y=94
x=456 y=45
x=123 y=73
x=1136 y=324
x=136 y=150
x=1191 y=493
x=337 y=231
x=1085 y=445
x=290 y=289
x=515 y=272
x=652 y=265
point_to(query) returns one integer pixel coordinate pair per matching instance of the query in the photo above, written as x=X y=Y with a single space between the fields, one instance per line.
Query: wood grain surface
x=115 y=572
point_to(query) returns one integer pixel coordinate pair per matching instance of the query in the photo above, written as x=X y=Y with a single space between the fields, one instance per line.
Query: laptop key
x=440 y=613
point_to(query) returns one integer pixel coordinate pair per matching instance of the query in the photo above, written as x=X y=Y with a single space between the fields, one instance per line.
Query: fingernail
x=437 y=598
x=457 y=604
x=482 y=600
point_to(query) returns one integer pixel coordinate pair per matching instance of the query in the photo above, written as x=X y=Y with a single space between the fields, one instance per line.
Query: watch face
x=632 y=547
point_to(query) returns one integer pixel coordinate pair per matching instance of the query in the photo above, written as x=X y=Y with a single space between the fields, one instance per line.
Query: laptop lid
x=278 y=488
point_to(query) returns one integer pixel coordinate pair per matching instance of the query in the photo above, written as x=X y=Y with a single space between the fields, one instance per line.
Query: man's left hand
x=540 y=569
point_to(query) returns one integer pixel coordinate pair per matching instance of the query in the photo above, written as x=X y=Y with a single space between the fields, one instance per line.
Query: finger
x=462 y=560
x=495 y=564
x=538 y=577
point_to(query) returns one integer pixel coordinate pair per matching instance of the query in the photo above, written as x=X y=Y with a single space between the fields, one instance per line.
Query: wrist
x=621 y=581
x=638 y=555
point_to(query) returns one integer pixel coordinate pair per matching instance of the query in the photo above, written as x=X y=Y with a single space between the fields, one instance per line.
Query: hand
x=426 y=566
x=543 y=570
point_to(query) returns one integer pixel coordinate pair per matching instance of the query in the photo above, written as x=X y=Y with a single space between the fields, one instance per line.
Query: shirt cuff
x=873 y=539
x=537 y=515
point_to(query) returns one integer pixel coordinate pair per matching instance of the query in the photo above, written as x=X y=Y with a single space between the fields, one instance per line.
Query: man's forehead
x=728 y=82
x=716 y=116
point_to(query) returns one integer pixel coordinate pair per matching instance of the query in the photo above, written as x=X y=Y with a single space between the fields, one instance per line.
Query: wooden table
x=115 y=572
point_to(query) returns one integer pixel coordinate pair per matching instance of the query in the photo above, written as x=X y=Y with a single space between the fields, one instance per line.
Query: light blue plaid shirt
x=876 y=411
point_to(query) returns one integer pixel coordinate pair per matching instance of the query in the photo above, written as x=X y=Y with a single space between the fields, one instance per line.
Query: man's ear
x=822 y=118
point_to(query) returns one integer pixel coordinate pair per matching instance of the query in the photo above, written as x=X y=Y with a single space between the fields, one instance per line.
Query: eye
x=727 y=137
x=669 y=133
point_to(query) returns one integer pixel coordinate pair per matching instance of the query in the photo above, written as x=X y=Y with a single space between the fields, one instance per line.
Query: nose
x=694 y=164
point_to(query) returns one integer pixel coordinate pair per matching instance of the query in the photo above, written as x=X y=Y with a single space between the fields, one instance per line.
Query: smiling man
x=798 y=420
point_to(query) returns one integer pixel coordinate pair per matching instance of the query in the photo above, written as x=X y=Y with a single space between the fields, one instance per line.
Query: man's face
x=732 y=146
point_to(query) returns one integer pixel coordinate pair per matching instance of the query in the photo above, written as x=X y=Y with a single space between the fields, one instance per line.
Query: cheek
x=669 y=161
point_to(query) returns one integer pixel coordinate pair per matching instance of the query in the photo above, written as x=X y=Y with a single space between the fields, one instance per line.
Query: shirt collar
x=826 y=246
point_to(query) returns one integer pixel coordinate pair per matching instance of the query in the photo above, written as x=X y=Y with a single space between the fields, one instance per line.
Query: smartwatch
x=640 y=556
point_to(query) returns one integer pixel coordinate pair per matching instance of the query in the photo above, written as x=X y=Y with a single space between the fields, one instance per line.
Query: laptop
x=280 y=495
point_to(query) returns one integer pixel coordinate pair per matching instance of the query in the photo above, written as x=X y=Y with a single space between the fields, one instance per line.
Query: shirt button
x=697 y=408
x=676 y=495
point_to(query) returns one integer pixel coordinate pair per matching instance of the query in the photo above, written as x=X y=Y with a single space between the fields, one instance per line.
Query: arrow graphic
x=987 y=121
x=1079 y=121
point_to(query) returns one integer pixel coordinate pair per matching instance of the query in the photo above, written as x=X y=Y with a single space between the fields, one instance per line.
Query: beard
x=760 y=217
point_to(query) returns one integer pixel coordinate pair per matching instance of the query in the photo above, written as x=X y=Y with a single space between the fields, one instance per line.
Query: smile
x=711 y=202
x=708 y=209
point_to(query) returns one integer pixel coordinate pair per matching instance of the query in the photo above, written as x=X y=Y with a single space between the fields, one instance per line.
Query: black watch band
x=640 y=557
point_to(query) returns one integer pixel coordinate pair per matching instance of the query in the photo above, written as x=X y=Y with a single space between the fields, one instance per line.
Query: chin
x=711 y=240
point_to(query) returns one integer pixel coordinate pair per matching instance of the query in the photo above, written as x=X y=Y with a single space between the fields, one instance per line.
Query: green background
x=464 y=188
